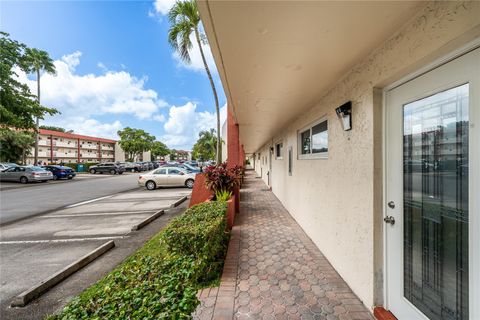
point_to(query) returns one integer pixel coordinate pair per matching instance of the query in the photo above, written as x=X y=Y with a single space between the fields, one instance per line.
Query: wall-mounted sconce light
x=344 y=113
x=271 y=149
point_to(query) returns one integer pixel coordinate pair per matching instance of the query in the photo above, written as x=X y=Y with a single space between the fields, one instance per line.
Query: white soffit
x=276 y=57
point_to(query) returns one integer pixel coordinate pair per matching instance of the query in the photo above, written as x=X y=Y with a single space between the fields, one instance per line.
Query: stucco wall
x=338 y=201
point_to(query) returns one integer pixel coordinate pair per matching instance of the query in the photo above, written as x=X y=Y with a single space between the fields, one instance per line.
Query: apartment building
x=363 y=119
x=55 y=146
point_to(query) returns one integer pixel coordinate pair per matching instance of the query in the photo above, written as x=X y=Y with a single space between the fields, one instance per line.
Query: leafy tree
x=158 y=149
x=36 y=62
x=15 y=146
x=204 y=148
x=185 y=20
x=135 y=141
x=18 y=106
x=53 y=128
x=173 y=155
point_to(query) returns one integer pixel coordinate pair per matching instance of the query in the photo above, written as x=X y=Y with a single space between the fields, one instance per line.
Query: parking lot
x=9 y=185
x=34 y=248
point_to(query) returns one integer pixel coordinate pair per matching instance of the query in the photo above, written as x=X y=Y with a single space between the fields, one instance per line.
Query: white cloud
x=163 y=6
x=114 y=92
x=159 y=118
x=102 y=66
x=184 y=123
x=89 y=127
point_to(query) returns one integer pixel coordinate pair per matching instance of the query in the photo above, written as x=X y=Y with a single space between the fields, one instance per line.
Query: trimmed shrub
x=160 y=281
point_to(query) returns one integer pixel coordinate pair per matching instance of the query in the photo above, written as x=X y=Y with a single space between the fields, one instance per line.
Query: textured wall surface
x=338 y=200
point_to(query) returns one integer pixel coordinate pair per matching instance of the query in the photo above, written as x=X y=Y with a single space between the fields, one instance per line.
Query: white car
x=166 y=177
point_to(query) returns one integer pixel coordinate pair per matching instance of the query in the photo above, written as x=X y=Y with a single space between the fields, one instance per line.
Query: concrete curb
x=25 y=297
x=148 y=220
x=178 y=202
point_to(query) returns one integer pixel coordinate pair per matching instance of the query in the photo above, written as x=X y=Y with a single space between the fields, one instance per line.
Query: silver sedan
x=166 y=177
x=25 y=174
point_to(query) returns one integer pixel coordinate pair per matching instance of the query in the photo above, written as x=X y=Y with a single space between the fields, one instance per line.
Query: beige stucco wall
x=119 y=154
x=338 y=201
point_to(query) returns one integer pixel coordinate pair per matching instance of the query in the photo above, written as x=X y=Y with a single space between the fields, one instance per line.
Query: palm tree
x=36 y=62
x=185 y=20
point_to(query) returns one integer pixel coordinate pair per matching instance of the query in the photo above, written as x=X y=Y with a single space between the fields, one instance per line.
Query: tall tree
x=54 y=128
x=18 y=106
x=204 y=148
x=135 y=141
x=158 y=149
x=36 y=62
x=185 y=20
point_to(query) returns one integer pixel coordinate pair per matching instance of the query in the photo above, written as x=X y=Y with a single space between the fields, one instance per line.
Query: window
x=313 y=140
x=173 y=171
x=161 y=171
x=279 y=151
x=290 y=160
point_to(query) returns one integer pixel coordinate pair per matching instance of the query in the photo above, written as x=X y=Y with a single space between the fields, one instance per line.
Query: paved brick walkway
x=274 y=271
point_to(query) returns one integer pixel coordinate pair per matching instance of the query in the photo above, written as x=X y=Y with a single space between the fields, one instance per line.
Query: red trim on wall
x=78 y=146
x=51 y=148
x=381 y=314
x=74 y=136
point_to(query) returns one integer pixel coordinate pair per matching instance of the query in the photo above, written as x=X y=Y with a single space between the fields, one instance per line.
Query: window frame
x=310 y=155
x=279 y=143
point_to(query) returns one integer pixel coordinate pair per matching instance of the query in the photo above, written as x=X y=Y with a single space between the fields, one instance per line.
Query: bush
x=160 y=281
x=219 y=178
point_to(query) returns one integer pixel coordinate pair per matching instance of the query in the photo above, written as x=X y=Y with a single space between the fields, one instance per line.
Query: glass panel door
x=435 y=203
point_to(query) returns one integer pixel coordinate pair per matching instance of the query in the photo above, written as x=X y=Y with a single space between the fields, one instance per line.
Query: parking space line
x=61 y=240
x=88 y=201
x=96 y=214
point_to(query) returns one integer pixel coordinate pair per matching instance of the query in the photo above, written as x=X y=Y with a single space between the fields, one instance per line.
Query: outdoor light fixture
x=344 y=113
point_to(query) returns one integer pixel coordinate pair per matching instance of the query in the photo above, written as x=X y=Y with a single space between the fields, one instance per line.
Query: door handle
x=391 y=205
x=389 y=219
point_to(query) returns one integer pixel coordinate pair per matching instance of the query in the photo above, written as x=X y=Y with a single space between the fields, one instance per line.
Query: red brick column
x=233 y=141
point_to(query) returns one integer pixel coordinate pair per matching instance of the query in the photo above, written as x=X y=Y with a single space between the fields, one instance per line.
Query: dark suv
x=109 y=167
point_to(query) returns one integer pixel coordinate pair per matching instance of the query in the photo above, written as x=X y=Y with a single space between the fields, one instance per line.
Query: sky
x=115 y=68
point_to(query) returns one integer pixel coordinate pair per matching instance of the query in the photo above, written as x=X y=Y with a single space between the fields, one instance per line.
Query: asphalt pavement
x=22 y=201
x=33 y=249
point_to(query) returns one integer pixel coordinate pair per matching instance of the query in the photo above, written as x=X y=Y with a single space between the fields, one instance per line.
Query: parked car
x=143 y=165
x=132 y=167
x=26 y=174
x=193 y=163
x=166 y=177
x=60 y=172
x=109 y=167
x=4 y=166
x=190 y=168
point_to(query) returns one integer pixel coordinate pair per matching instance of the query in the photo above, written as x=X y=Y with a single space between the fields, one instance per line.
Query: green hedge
x=160 y=281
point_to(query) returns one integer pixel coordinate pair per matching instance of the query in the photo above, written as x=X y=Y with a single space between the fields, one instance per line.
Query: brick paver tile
x=277 y=271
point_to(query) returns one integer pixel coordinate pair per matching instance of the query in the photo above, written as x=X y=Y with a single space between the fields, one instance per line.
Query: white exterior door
x=432 y=211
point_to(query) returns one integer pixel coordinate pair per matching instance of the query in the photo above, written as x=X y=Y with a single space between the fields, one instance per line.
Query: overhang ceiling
x=276 y=57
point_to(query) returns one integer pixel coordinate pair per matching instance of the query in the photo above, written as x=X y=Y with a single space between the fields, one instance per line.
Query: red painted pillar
x=233 y=141
x=233 y=151
x=51 y=148
x=78 y=149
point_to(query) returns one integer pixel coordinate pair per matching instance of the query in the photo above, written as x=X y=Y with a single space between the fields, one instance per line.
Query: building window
x=290 y=160
x=313 y=140
x=279 y=151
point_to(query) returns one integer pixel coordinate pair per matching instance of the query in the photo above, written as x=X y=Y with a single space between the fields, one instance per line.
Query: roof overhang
x=276 y=58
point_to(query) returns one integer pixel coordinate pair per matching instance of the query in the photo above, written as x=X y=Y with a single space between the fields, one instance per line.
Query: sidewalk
x=274 y=271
